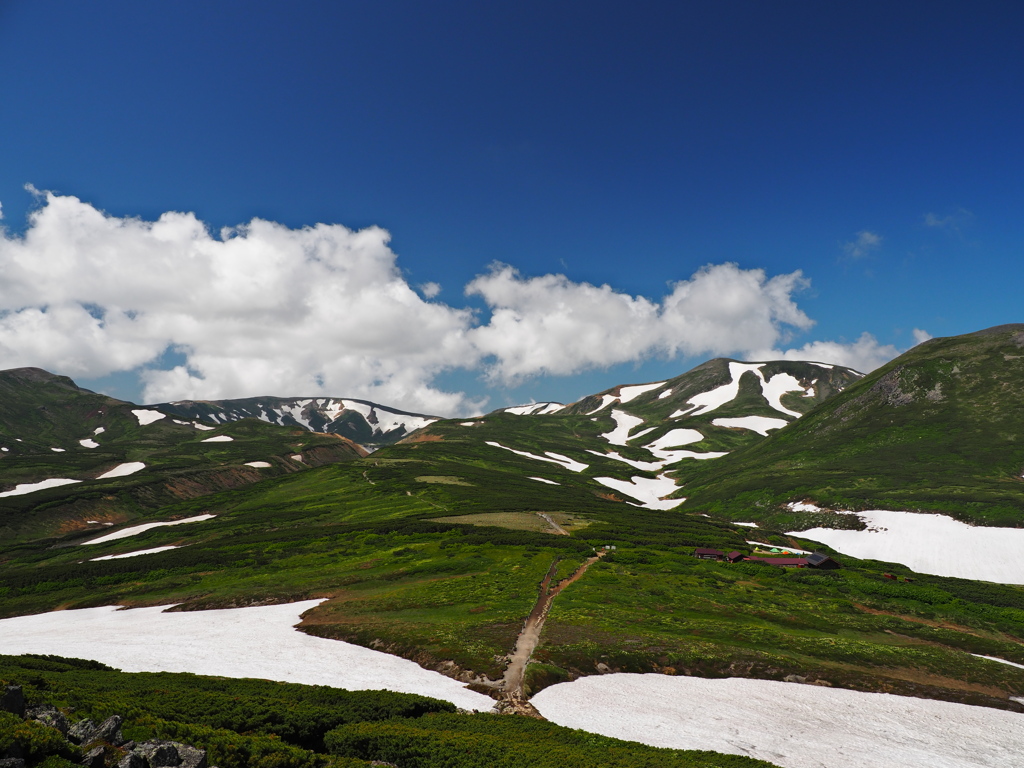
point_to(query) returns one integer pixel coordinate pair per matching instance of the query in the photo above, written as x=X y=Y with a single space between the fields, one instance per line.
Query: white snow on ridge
x=542 y=480
x=713 y=398
x=759 y=424
x=218 y=439
x=258 y=642
x=675 y=438
x=776 y=387
x=137 y=529
x=202 y=427
x=533 y=409
x=934 y=544
x=123 y=470
x=648 y=491
x=624 y=424
x=551 y=457
x=646 y=466
x=606 y=400
x=53 y=482
x=748 y=525
x=787 y=724
x=88 y=443
x=632 y=392
x=148 y=416
x=133 y=554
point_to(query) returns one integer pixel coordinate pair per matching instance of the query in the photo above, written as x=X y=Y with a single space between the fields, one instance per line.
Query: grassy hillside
x=435 y=548
x=939 y=429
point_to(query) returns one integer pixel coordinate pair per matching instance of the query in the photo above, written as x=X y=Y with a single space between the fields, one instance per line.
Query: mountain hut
x=703 y=553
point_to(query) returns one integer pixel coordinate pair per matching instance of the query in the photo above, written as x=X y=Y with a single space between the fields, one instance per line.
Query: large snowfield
x=791 y=725
x=933 y=544
x=240 y=642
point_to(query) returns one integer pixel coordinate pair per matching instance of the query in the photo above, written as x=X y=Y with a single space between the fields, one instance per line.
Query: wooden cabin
x=703 y=553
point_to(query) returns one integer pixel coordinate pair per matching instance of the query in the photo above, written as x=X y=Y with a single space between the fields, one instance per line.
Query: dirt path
x=512 y=682
x=558 y=529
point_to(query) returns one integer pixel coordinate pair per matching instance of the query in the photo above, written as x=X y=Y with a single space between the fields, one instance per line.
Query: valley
x=540 y=547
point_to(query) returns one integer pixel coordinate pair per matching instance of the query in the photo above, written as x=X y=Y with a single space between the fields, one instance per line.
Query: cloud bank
x=324 y=310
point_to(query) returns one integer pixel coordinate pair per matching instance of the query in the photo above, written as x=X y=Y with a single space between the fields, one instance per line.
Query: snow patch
x=749 y=525
x=123 y=470
x=57 y=450
x=53 y=482
x=553 y=458
x=624 y=423
x=256 y=642
x=147 y=416
x=790 y=725
x=665 y=394
x=803 y=506
x=298 y=457
x=258 y=464
x=202 y=427
x=930 y=543
x=533 y=409
x=648 y=491
x=632 y=392
x=543 y=480
x=776 y=387
x=88 y=443
x=133 y=554
x=218 y=439
x=606 y=400
x=708 y=401
x=646 y=466
x=135 y=530
x=759 y=424
x=99 y=431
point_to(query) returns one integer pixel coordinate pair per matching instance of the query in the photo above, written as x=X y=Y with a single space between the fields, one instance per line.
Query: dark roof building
x=819 y=560
x=735 y=556
x=708 y=554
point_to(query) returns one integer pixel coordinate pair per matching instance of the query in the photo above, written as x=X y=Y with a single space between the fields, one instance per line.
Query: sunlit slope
x=69 y=456
x=939 y=428
x=639 y=442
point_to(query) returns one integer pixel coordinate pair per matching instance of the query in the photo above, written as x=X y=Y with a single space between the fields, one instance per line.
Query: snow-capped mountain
x=368 y=424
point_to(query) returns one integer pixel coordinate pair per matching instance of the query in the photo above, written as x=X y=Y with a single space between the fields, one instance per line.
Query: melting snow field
x=624 y=424
x=88 y=443
x=791 y=725
x=53 y=482
x=218 y=439
x=551 y=457
x=124 y=533
x=629 y=393
x=256 y=642
x=146 y=416
x=258 y=464
x=759 y=424
x=133 y=554
x=931 y=544
x=648 y=491
x=123 y=470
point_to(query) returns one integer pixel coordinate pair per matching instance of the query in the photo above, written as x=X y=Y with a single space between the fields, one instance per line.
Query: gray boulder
x=82 y=731
x=47 y=714
x=94 y=758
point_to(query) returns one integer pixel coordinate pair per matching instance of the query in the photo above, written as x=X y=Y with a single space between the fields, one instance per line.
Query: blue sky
x=874 y=147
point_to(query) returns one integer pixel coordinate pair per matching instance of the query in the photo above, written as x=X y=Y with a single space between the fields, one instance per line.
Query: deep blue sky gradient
x=620 y=143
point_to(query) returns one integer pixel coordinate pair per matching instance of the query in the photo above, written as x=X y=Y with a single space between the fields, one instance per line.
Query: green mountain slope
x=437 y=549
x=940 y=428
x=51 y=430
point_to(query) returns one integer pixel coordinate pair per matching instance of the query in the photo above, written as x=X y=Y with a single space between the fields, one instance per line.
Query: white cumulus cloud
x=553 y=325
x=325 y=310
